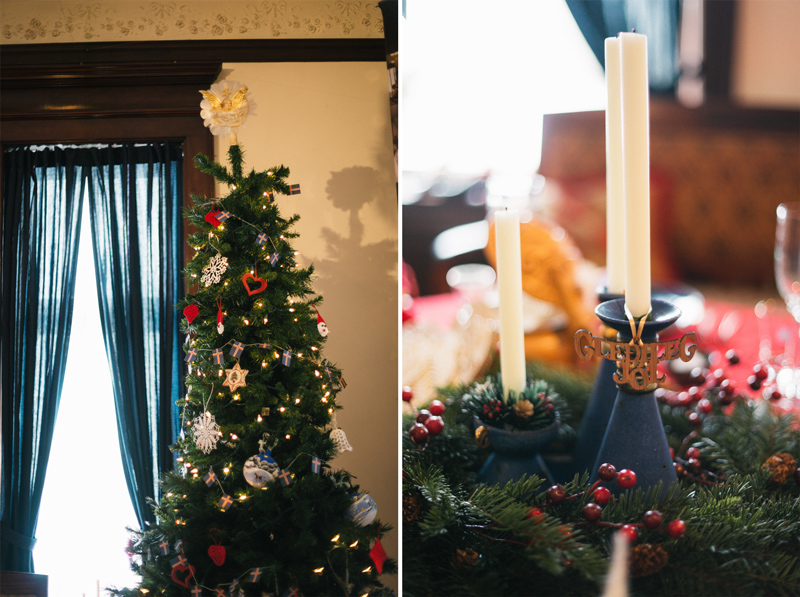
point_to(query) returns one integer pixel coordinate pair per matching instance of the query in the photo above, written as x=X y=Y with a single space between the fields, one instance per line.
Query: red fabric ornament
x=220 y=327
x=378 y=554
x=191 y=312
x=181 y=574
x=216 y=552
x=211 y=218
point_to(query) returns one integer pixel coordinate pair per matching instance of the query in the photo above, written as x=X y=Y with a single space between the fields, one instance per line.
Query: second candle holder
x=635 y=437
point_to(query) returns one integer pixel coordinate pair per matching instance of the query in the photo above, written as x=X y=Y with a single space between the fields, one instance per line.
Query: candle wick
x=633 y=30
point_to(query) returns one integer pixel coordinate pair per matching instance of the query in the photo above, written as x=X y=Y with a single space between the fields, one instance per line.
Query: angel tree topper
x=225 y=107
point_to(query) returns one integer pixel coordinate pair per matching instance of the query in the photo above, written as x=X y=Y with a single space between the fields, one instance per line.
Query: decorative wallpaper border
x=43 y=21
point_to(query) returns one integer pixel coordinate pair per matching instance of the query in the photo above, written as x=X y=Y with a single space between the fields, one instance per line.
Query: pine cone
x=524 y=409
x=647 y=559
x=464 y=559
x=412 y=507
x=781 y=466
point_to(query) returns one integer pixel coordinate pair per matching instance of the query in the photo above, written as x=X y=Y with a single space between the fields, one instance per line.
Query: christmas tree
x=254 y=506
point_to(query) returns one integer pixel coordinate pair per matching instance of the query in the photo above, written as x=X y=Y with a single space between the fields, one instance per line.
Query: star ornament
x=234 y=378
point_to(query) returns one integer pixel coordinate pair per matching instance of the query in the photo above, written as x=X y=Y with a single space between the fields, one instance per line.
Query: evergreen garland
x=742 y=518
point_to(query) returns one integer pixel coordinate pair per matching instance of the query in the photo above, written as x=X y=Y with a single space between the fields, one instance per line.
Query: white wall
x=330 y=124
x=766 y=54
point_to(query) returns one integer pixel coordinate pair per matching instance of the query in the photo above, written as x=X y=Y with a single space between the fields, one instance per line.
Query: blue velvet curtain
x=134 y=196
x=138 y=248
x=658 y=19
x=41 y=227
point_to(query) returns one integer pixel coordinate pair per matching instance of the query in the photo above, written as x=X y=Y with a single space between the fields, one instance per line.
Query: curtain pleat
x=137 y=240
x=41 y=227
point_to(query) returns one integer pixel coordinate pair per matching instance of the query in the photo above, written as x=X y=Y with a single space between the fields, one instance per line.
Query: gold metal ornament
x=482 y=437
x=637 y=362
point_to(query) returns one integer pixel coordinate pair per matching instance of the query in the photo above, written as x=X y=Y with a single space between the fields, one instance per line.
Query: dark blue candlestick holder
x=635 y=437
x=598 y=409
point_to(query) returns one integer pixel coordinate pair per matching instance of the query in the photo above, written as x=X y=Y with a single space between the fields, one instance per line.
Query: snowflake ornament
x=206 y=432
x=212 y=273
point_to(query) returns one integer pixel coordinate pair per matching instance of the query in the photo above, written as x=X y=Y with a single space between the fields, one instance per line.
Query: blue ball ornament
x=363 y=510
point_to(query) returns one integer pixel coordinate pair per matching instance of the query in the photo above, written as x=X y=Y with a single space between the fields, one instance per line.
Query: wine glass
x=787 y=278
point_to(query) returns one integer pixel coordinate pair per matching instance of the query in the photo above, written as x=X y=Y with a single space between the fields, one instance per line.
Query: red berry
x=537 y=514
x=705 y=406
x=692 y=453
x=418 y=434
x=733 y=358
x=422 y=416
x=436 y=408
x=592 y=512
x=694 y=465
x=754 y=382
x=607 y=471
x=760 y=371
x=630 y=532
x=434 y=425
x=679 y=470
x=626 y=479
x=718 y=375
x=408 y=394
x=652 y=519
x=772 y=394
x=601 y=495
x=676 y=528
x=556 y=494
x=694 y=418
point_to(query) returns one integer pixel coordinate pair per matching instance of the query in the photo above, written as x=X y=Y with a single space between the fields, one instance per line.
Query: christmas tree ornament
x=378 y=554
x=225 y=501
x=285 y=477
x=217 y=356
x=224 y=108
x=647 y=559
x=181 y=575
x=217 y=551
x=211 y=218
x=235 y=377
x=237 y=348
x=211 y=477
x=212 y=272
x=260 y=469
x=316 y=465
x=253 y=276
x=363 y=510
x=190 y=312
x=340 y=442
x=206 y=432
x=220 y=326
x=322 y=327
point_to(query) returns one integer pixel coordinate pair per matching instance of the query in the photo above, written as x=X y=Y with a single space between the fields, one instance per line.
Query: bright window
x=85 y=504
x=478 y=76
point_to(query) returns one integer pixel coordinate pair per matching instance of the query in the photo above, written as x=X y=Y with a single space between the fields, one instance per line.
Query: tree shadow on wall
x=359 y=281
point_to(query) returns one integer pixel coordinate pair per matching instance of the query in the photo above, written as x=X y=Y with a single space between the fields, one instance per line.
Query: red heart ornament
x=183 y=580
x=217 y=554
x=261 y=288
x=211 y=218
x=191 y=312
